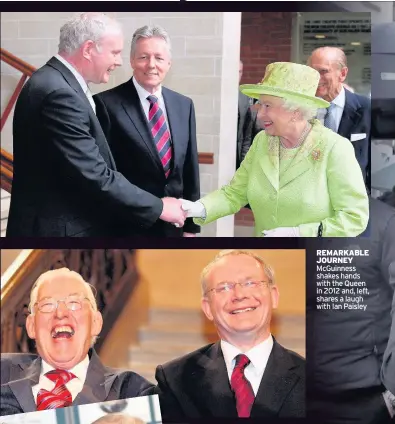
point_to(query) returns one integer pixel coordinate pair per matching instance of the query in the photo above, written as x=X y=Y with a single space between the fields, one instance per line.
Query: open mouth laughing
x=62 y=332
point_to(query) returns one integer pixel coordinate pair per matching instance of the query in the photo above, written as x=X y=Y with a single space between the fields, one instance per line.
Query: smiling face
x=150 y=62
x=332 y=75
x=102 y=59
x=241 y=315
x=273 y=117
x=63 y=337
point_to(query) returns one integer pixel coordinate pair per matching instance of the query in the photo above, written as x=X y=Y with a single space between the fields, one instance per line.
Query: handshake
x=176 y=211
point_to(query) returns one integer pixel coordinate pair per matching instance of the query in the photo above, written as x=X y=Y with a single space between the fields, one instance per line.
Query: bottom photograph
x=148 y=336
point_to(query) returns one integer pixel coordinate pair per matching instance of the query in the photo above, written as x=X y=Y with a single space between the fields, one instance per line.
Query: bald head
x=331 y=63
x=332 y=54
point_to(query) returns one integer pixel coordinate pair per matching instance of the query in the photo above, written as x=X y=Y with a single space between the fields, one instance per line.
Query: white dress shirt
x=258 y=356
x=143 y=94
x=74 y=386
x=337 y=112
x=80 y=80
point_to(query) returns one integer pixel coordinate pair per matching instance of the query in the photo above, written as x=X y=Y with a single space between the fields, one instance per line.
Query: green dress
x=323 y=183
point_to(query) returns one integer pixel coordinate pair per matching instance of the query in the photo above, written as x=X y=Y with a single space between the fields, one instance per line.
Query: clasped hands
x=176 y=211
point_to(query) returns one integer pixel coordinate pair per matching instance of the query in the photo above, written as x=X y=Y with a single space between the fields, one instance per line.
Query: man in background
x=152 y=131
x=247 y=373
x=348 y=113
x=348 y=348
x=66 y=183
x=64 y=322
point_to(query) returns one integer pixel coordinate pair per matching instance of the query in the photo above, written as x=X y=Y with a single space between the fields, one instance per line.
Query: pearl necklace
x=301 y=139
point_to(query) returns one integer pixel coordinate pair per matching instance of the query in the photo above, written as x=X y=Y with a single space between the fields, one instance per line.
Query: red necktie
x=160 y=133
x=59 y=396
x=242 y=387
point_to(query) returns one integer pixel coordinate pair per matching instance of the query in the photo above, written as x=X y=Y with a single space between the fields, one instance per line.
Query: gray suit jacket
x=243 y=138
x=20 y=372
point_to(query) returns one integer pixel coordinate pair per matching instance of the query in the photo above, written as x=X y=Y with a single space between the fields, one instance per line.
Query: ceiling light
x=320 y=36
x=355 y=43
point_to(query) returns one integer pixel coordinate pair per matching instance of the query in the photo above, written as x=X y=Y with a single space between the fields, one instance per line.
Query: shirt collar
x=340 y=99
x=80 y=370
x=74 y=71
x=143 y=93
x=256 y=355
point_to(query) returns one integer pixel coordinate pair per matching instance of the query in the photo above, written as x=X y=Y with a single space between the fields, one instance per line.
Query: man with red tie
x=151 y=130
x=64 y=322
x=247 y=373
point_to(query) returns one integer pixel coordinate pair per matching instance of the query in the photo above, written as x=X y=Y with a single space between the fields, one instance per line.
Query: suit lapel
x=98 y=383
x=71 y=80
x=24 y=377
x=351 y=115
x=270 y=162
x=277 y=381
x=307 y=156
x=211 y=385
x=75 y=85
x=175 y=122
x=132 y=106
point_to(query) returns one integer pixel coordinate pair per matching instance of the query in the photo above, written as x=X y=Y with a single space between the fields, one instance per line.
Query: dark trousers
x=365 y=406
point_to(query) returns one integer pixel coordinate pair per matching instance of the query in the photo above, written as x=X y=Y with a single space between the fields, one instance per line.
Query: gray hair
x=267 y=269
x=62 y=272
x=84 y=27
x=307 y=112
x=149 y=32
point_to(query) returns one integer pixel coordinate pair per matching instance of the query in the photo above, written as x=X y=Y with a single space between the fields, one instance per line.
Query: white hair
x=84 y=27
x=149 y=32
x=306 y=112
x=267 y=269
x=58 y=273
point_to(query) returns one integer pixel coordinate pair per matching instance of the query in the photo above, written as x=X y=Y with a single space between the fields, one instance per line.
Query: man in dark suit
x=349 y=113
x=247 y=373
x=64 y=322
x=151 y=130
x=65 y=179
x=347 y=348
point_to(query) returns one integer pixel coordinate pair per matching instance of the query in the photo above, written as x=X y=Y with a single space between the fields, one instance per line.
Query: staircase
x=5 y=207
x=173 y=333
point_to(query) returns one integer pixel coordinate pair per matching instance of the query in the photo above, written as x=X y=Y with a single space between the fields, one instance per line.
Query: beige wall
x=198 y=40
x=173 y=276
x=7 y=257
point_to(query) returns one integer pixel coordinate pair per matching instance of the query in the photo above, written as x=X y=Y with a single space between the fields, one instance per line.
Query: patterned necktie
x=160 y=133
x=59 y=396
x=329 y=120
x=242 y=387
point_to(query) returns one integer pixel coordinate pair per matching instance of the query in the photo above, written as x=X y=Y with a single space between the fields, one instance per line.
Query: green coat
x=324 y=183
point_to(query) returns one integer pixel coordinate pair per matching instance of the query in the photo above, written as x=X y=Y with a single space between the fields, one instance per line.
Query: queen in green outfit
x=300 y=178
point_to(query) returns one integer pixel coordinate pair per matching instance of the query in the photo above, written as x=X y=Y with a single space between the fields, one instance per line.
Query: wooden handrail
x=17 y=63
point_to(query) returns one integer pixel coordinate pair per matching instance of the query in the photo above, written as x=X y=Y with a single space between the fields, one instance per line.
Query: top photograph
x=176 y=124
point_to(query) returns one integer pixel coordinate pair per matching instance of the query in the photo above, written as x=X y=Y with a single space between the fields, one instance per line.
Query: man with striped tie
x=151 y=131
x=349 y=113
x=247 y=373
x=64 y=322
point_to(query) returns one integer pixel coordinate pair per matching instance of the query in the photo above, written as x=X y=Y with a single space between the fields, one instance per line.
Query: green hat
x=289 y=81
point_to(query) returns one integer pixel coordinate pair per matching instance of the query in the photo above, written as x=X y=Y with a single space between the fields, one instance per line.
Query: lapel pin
x=316 y=154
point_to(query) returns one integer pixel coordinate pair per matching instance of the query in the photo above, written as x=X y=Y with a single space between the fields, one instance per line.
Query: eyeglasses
x=49 y=304
x=228 y=287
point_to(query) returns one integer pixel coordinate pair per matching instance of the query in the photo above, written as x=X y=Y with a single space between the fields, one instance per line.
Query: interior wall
x=173 y=276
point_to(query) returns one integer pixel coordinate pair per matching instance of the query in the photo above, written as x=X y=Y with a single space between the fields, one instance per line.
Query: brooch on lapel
x=316 y=154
